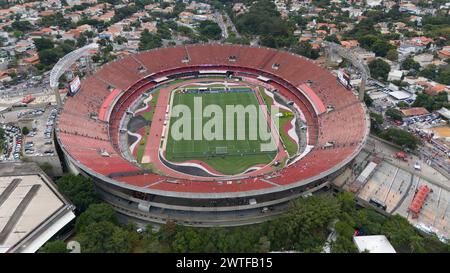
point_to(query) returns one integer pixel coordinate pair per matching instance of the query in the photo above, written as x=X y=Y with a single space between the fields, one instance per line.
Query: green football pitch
x=229 y=155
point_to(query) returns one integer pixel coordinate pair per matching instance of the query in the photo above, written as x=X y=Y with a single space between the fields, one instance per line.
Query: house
x=43 y=32
x=355 y=13
x=74 y=17
x=363 y=54
x=5 y=75
x=32 y=60
x=151 y=6
x=444 y=53
x=106 y=17
x=4 y=63
x=373 y=244
x=72 y=34
x=436 y=89
x=321 y=32
x=409 y=8
x=239 y=8
x=24 y=45
x=408 y=48
x=113 y=31
x=186 y=17
x=414 y=111
x=389 y=4
x=84 y=28
x=424 y=59
x=46 y=13
x=395 y=75
x=350 y=44
x=421 y=41
x=150 y=26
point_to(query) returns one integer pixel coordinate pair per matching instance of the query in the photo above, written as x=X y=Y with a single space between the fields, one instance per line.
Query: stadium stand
x=90 y=142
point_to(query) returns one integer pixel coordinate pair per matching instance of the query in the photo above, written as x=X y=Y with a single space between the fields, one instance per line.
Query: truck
x=401 y=155
x=27 y=99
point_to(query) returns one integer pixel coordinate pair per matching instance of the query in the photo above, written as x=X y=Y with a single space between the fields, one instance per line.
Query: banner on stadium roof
x=344 y=78
x=74 y=86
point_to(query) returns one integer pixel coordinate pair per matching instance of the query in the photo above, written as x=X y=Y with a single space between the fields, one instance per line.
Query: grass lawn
x=141 y=145
x=147 y=116
x=240 y=154
x=291 y=145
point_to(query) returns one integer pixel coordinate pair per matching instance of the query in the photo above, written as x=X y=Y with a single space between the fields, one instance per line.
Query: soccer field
x=229 y=155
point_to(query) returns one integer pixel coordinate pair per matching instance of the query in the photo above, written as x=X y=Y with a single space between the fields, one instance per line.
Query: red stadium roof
x=92 y=144
x=106 y=105
x=315 y=100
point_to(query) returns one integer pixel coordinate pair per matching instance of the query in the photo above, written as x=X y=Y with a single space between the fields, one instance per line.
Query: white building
x=373 y=244
x=395 y=75
x=32 y=210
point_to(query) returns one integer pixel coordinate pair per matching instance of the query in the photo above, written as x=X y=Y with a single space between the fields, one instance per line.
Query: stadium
x=118 y=130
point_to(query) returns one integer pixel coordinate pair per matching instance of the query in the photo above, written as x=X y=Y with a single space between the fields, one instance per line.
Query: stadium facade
x=91 y=135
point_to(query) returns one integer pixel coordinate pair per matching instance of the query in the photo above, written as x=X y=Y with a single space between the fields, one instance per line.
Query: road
x=230 y=23
x=222 y=25
x=25 y=88
x=429 y=173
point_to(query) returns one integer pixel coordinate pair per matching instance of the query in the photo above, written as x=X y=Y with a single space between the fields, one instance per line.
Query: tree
x=401 y=137
x=95 y=213
x=210 y=30
x=264 y=19
x=305 y=217
x=23 y=26
x=56 y=246
x=332 y=38
x=392 y=54
x=344 y=242
x=429 y=72
x=79 y=190
x=149 y=41
x=444 y=75
x=409 y=64
x=43 y=43
x=432 y=103
x=263 y=245
x=305 y=49
x=121 y=40
x=379 y=69
x=368 y=100
x=402 y=104
x=25 y=130
x=376 y=122
x=163 y=30
x=49 y=56
x=399 y=232
x=104 y=237
x=394 y=114
x=82 y=40
x=381 y=48
x=57 y=19
x=235 y=40
x=18 y=34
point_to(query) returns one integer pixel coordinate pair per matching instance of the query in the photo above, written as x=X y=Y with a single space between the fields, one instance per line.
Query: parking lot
x=425 y=121
x=39 y=142
x=39 y=139
x=12 y=144
x=395 y=188
x=435 y=213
